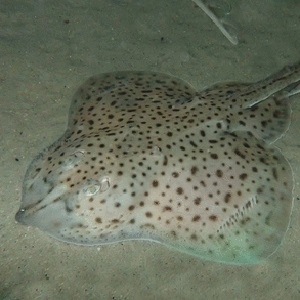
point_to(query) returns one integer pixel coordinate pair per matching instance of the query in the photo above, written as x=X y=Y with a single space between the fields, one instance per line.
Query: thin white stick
x=217 y=22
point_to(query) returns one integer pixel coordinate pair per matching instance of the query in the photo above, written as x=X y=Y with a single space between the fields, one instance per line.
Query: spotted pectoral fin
x=246 y=201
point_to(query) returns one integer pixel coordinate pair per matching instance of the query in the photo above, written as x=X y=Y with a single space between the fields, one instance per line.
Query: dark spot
x=192 y=143
x=148 y=214
x=165 y=162
x=147 y=225
x=173 y=233
x=239 y=153
x=264 y=123
x=155 y=183
x=179 y=191
x=259 y=191
x=263 y=160
x=214 y=156
x=243 y=176
x=196 y=218
x=197 y=201
x=244 y=221
x=194 y=237
x=194 y=170
x=167 y=208
x=98 y=220
x=227 y=198
x=219 y=173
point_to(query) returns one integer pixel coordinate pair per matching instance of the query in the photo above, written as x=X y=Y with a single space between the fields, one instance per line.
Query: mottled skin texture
x=146 y=156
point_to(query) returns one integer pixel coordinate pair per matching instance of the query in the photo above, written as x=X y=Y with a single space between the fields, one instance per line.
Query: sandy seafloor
x=47 y=49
